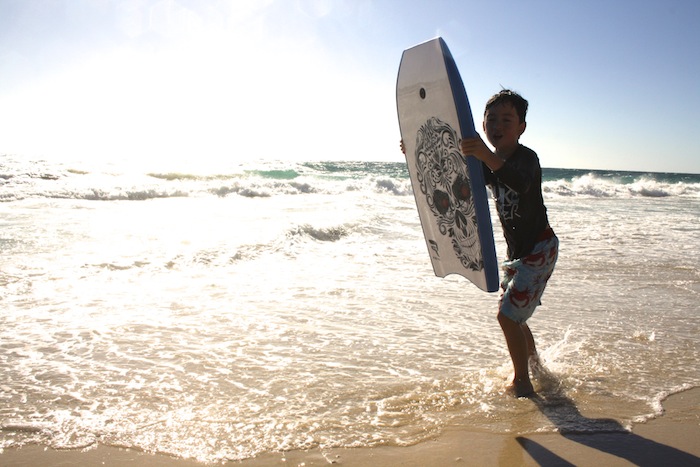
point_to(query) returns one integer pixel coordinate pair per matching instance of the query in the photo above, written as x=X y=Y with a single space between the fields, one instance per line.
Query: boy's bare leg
x=533 y=359
x=531 y=349
x=517 y=338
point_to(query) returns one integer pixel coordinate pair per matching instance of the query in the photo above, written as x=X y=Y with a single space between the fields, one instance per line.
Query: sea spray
x=292 y=305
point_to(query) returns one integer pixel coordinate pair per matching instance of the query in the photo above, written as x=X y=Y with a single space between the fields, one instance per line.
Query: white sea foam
x=20 y=180
x=591 y=185
x=291 y=307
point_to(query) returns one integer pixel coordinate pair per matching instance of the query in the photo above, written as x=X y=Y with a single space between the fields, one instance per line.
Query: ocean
x=221 y=313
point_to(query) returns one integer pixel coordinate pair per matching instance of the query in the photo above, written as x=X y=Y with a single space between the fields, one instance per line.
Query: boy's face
x=502 y=127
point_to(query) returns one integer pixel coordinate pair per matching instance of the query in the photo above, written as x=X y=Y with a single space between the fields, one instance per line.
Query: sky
x=611 y=84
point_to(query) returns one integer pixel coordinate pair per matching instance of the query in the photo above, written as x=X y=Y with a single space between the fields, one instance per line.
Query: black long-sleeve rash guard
x=517 y=191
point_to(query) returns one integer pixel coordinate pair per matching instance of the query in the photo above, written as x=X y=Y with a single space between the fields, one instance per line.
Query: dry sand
x=670 y=440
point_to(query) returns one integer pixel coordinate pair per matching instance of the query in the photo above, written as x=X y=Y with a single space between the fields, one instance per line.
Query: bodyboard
x=449 y=188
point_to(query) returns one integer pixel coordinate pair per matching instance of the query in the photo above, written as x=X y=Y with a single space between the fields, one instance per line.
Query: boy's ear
x=522 y=127
x=483 y=125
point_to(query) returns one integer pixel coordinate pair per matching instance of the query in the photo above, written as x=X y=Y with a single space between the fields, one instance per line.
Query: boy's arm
x=519 y=177
x=477 y=148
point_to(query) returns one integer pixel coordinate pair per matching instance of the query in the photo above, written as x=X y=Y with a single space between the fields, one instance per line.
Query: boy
x=514 y=174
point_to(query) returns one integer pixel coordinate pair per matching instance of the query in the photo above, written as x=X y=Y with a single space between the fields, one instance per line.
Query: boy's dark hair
x=506 y=96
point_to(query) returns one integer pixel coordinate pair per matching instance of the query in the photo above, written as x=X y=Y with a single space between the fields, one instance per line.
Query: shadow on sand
x=605 y=435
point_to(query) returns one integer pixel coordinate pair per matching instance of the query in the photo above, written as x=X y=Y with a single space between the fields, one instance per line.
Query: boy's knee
x=505 y=321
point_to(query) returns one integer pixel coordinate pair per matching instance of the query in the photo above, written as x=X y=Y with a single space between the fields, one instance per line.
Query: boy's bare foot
x=521 y=388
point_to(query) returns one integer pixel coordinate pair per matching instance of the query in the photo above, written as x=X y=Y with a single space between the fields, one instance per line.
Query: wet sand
x=672 y=439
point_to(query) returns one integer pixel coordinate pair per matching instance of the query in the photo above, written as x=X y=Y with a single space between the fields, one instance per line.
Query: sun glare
x=210 y=91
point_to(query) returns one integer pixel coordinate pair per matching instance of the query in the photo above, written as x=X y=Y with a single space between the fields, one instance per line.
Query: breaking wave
x=21 y=180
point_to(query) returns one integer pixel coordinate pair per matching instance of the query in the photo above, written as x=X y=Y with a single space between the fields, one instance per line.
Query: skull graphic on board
x=444 y=180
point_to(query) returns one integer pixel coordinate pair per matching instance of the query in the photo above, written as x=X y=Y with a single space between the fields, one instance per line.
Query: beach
x=671 y=439
x=288 y=313
x=212 y=251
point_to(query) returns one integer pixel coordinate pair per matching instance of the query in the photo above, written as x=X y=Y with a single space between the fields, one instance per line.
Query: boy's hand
x=403 y=148
x=476 y=147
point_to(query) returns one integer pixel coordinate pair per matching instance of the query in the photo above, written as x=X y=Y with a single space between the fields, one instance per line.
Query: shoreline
x=670 y=439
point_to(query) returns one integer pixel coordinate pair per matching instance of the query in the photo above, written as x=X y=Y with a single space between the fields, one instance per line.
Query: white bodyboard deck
x=449 y=188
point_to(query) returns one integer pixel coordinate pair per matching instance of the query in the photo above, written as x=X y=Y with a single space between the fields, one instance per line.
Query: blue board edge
x=476 y=174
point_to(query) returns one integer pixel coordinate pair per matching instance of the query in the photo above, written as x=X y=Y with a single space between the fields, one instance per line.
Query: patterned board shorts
x=525 y=279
